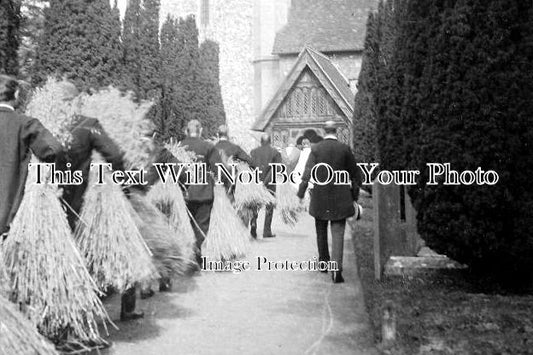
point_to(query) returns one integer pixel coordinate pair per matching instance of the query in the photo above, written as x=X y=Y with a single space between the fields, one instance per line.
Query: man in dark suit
x=228 y=149
x=332 y=202
x=200 y=197
x=18 y=134
x=88 y=135
x=262 y=157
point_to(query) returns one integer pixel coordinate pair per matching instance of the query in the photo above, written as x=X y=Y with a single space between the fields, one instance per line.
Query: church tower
x=269 y=17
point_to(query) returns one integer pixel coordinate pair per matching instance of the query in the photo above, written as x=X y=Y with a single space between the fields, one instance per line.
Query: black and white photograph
x=264 y=177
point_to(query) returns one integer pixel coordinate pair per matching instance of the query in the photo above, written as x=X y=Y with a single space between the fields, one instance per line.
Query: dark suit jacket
x=87 y=134
x=160 y=155
x=208 y=154
x=263 y=156
x=232 y=150
x=19 y=134
x=331 y=202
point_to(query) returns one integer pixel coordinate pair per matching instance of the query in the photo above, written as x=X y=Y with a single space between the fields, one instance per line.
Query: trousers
x=269 y=213
x=337 y=237
x=128 y=301
x=201 y=213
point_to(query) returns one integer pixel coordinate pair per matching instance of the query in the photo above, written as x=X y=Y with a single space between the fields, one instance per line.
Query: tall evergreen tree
x=164 y=113
x=364 y=118
x=455 y=84
x=141 y=48
x=9 y=36
x=81 y=42
x=31 y=29
x=190 y=100
x=216 y=116
x=476 y=110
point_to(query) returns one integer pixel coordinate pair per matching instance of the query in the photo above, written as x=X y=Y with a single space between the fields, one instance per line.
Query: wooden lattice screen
x=306 y=106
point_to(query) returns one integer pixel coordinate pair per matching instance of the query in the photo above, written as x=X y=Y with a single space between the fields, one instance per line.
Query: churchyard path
x=254 y=312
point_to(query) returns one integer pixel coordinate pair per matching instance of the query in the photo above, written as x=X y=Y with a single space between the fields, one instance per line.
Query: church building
x=286 y=66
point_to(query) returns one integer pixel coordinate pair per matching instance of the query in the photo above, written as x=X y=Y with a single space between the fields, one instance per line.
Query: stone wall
x=231 y=25
x=269 y=17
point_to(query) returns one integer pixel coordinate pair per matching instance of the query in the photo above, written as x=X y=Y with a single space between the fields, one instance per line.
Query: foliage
x=364 y=117
x=31 y=28
x=189 y=82
x=209 y=57
x=80 y=41
x=141 y=56
x=9 y=36
x=455 y=86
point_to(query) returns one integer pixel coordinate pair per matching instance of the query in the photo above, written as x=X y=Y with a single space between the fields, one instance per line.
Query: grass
x=443 y=313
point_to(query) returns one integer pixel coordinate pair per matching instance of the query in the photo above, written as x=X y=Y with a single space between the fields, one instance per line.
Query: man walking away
x=262 y=157
x=332 y=202
x=88 y=135
x=229 y=149
x=18 y=134
x=200 y=197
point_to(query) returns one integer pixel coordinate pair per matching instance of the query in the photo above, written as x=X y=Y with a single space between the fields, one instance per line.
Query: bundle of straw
x=4 y=281
x=47 y=271
x=18 y=335
x=288 y=204
x=125 y=122
x=251 y=196
x=153 y=225
x=180 y=152
x=56 y=115
x=108 y=238
x=227 y=237
x=168 y=198
x=121 y=117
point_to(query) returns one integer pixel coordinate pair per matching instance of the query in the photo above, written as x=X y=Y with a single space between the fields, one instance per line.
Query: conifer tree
x=364 y=118
x=455 y=84
x=31 y=29
x=476 y=110
x=9 y=36
x=165 y=113
x=190 y=100
x=81 y=42
x=141 y=48
x=209 y=56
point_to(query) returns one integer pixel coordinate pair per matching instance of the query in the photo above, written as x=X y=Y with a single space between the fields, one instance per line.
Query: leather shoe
x=337 y=278
x=165 y=285
x=131 y=316
x=269 y=236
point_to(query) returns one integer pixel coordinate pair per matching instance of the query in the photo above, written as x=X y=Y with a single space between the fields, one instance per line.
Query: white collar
x=7 y=106
x=330 y=136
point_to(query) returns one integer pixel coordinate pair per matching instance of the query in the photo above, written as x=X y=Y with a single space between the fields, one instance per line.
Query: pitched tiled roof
x=326 y=25
x=327 y=74
x=338 y=80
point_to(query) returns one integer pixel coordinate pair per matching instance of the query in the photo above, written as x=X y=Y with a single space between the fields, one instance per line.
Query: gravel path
x=254 y=312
